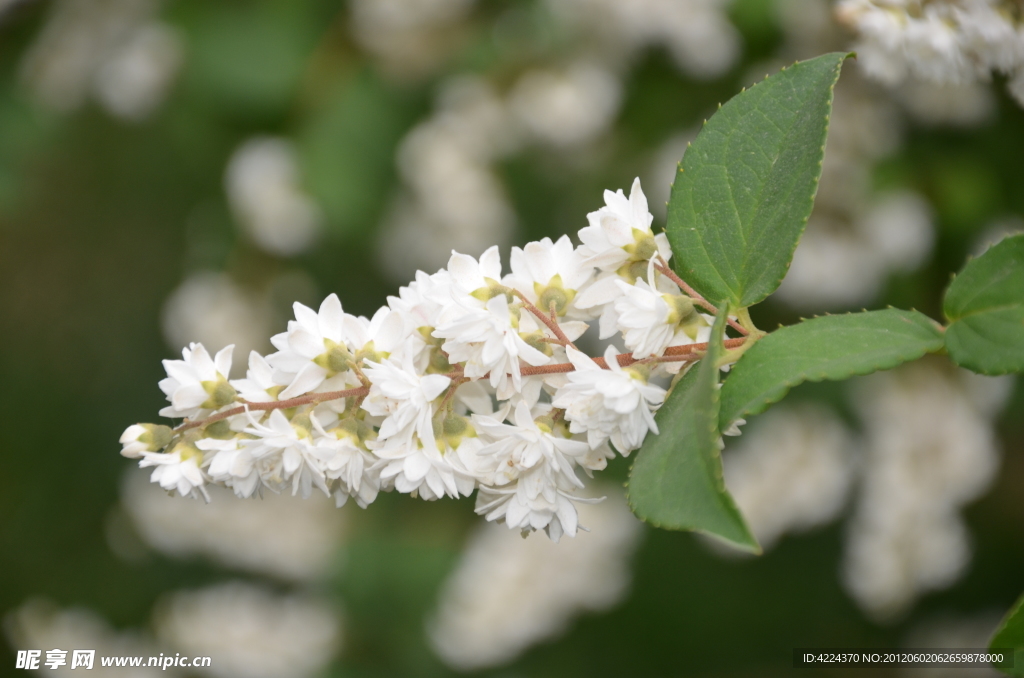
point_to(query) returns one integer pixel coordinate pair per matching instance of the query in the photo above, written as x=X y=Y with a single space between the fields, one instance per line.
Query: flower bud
x=337 y=358
x=221 y=393
x=139 y=438
x=554 y=294
x=451 y=429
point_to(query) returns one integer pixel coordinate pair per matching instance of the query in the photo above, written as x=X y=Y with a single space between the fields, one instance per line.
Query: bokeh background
x=184 y=170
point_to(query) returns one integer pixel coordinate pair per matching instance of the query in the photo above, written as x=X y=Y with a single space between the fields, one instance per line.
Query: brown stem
x=672 y=354
x=307 y=399
x=697 y=298
x=456 y=382
x=549 y=322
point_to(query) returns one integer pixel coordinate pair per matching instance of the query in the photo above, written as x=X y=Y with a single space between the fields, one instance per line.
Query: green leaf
x=827 y=348
x=676 y=481
x=1010 y=636
x=985 y=307
x=746 y=185
x=246 y=58
x=347 y=149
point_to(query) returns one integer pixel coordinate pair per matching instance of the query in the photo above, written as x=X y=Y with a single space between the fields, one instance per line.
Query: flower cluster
x=949 y=42
x=466 y=381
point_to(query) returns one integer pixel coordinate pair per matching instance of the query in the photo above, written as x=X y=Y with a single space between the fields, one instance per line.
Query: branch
x=307 y=399
x=672 y=354
x=697 y=298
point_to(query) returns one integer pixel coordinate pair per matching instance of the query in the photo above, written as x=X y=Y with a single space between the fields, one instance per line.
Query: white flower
x=197 y=382
x=620 y=243
x=469 y=275
x=549 y=274
x=377 y=337
x=620 y=232
x=405 y=398
x=651 y=321
x=233 y=465
x=424 y=470
x=177 y=470
x=423 y=298
x=531 y=444
x=613 y=404
x=420 y=305
x=312 y=350
x=346 y=459
x=139 y=438
x=489 y=340
x=552 y=510
x=288 y=446
x=259 y=385
x=406 y=440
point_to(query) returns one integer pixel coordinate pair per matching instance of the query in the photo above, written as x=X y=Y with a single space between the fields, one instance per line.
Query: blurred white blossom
x=213 y=309
x=249 y=631
x=279 y=535
x=263 y=186
x=507 y=593
x=452 y=198
x=133 y=80
x=965 y=104
x=40 y=625
x=114 y=50
x=791 y=472
x=846 y=262
x=931 y=448
x=410 y=38
x=698 y=33
x=565 y=108
x=946 y=42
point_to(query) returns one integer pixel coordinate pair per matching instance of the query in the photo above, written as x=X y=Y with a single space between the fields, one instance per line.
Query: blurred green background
x=103 y=215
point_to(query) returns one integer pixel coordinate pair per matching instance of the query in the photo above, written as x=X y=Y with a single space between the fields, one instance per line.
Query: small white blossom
x=346 y=459
x=651 y=321
x=422 y=470
x=619 y=241
x=404 y=398
x=549 y=274
x=233 y=465
x=177 y=470
x=520 y=508
x=489 y=341
x=139 y=438
x=288 y=449
x=312 y=350
x=620 y=232
x=614 y=404
x=530 y=444
x=420 y=304
x=197 y=382
x=469 y=275
x=259 y=385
